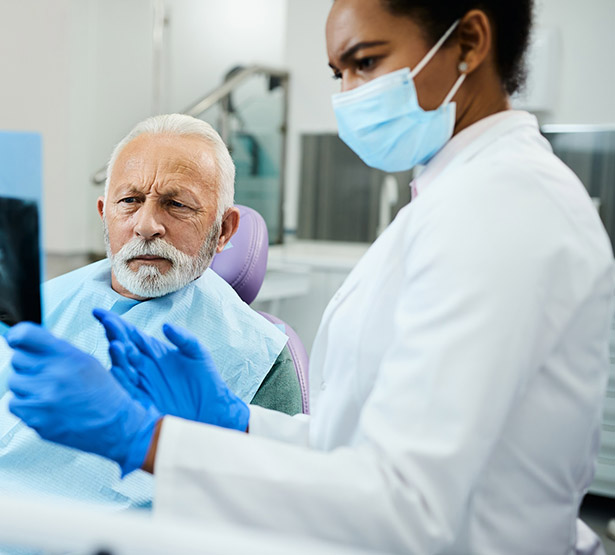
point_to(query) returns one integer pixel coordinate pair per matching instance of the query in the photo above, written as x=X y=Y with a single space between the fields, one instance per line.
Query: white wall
x=585 y=91
x=34 y=92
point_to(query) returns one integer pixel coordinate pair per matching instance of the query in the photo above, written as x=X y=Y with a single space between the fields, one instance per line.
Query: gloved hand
x=69 y=398
x=180 y=380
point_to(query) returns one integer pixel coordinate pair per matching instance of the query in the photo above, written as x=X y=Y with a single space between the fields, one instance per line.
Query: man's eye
x=336 y=75
x=176 y=204
x=128 y=200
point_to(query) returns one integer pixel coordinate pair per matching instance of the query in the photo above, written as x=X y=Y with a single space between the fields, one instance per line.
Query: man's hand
x=69 y=398
x=179 y=379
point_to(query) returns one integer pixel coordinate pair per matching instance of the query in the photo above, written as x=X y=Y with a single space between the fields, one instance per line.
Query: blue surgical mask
x=384 y=124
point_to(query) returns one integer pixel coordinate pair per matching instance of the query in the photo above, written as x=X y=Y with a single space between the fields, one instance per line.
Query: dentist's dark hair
x=511 y=24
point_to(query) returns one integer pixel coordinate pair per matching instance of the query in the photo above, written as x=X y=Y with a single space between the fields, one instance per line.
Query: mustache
x=149 y=247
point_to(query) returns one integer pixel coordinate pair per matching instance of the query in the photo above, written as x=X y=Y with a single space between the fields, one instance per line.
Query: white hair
x=183 y=125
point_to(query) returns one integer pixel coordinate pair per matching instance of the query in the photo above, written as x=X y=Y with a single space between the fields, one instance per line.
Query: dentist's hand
x=69 y=398
x=179 y=379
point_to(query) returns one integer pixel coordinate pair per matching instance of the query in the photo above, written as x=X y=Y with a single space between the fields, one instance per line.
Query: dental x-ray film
x=20 y=253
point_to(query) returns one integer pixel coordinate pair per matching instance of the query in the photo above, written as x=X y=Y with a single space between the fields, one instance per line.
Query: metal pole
x=284 y=132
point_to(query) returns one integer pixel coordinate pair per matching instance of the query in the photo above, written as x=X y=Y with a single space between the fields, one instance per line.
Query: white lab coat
x=456 y=378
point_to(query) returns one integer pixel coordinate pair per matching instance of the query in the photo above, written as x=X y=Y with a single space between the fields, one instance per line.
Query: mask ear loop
x=434 y=49
x=463 y=67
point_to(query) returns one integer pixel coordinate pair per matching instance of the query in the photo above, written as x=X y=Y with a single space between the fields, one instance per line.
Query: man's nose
x=149 y=224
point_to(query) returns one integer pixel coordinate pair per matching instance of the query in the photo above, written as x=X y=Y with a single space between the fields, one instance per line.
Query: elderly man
x=167 y=209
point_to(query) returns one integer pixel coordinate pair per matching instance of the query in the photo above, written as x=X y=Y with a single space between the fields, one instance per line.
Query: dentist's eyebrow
x=359 y=46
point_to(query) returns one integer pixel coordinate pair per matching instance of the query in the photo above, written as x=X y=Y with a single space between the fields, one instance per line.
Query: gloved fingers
x=22 y=407
x=121 y=369
x=143 y=363
x=29 y=403
x=22 y=387
x=25 y=362
x=147 y=344
x=133 y=390
x=119 y=358
x=187 y=343
x=34 y=338
x=123 y=378
x=115 y=327
x=31 y=412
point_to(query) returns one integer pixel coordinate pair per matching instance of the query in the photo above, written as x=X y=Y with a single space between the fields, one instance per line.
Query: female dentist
x=457 y=375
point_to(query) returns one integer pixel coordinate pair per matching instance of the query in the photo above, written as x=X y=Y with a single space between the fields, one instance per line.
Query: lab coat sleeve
x=469 y=335
x=279 y=426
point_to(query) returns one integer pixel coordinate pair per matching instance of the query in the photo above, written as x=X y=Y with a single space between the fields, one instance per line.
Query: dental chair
x=242 y=264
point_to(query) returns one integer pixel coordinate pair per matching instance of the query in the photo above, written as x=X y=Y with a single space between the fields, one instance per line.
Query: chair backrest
x=242 y=264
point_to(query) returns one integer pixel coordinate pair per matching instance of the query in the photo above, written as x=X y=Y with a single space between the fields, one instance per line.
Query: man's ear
x=230 y=223
x=100 y=206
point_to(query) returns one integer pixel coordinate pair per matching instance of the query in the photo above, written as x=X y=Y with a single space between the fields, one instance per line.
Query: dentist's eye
x=366 y=63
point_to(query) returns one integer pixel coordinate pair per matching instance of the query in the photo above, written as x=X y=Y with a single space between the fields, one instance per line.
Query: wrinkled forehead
x=158 y=160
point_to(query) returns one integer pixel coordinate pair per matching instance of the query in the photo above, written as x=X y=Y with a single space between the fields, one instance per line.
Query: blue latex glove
x=180 y=380
x=68 y=397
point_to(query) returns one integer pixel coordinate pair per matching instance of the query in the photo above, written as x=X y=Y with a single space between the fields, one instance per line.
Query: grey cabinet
x=604 y=481
x=340 y=196
x=589 y=150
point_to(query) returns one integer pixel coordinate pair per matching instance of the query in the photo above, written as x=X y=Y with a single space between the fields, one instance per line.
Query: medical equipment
x=20 y=256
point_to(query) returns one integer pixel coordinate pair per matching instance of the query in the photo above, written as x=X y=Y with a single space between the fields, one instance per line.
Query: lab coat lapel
x=321 y=341
x=434 y=171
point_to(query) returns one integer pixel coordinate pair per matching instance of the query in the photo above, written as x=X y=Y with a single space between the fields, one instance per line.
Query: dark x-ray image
x=19 y=262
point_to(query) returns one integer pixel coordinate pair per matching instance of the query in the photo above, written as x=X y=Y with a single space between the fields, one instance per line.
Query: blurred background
x=83 y=72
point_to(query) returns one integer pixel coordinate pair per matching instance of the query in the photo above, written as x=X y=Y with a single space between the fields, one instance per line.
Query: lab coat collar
x=468 y=143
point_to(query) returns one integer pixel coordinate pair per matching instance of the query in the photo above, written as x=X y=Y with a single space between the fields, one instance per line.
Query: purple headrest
x=242 y=264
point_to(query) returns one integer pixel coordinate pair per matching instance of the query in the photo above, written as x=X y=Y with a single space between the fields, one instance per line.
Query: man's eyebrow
x=184 y=193
x=127 y=190
x=359 y=46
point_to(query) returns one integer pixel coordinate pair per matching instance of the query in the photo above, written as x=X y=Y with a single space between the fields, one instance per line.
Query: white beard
x=148 y=281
